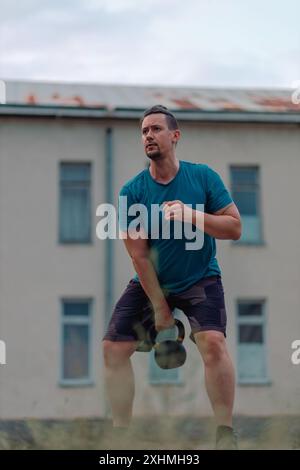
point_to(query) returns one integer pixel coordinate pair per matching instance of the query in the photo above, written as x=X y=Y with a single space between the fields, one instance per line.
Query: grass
x=167 y=433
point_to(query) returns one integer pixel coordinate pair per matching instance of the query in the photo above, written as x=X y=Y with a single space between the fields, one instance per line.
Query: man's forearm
x=223 y=227
x=149 y=281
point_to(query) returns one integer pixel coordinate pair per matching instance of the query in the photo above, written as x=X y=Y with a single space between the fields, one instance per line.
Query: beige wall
x=35 y=271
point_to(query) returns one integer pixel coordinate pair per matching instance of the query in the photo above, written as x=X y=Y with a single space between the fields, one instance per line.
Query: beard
x=154 y=154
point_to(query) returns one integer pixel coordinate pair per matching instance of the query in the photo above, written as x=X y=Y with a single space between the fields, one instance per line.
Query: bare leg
x=119 y=379
x=219 y=374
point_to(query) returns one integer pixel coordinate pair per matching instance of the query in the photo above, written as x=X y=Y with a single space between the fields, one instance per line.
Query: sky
x=213 y=43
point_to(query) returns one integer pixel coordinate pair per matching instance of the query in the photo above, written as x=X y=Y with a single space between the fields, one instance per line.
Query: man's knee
x=212 y=346
x=116 y=353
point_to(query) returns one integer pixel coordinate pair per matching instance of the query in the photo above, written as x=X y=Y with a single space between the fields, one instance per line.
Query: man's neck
x=164 y=171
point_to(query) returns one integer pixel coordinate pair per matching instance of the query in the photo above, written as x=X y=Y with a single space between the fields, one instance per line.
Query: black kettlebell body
x=171 y=354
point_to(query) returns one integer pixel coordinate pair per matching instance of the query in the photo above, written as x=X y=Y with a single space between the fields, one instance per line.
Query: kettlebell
x=170 y=354
x=146 y=338
x=146 y=343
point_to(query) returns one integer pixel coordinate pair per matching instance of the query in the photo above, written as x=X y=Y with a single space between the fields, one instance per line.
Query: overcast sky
x=229 y=43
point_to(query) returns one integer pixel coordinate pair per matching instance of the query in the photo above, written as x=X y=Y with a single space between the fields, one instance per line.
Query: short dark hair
x=159 y=109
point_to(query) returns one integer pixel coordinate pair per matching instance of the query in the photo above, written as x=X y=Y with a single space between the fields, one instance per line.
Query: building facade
x=65 y=150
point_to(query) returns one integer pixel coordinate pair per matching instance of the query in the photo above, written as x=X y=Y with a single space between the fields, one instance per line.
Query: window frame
x=73 y=241
x=253 y=320
x=260 y=241
x=77 y=320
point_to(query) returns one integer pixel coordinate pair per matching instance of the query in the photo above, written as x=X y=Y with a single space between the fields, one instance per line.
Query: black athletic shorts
x=203 y=304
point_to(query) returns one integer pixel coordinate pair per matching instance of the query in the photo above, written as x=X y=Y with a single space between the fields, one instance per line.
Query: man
x=168 y=275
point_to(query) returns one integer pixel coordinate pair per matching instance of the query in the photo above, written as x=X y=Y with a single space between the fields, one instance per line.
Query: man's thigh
x=204 y=305
x=132 y=316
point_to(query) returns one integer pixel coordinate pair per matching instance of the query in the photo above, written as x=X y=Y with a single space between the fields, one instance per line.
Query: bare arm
x=138 y=250
x=224 y=224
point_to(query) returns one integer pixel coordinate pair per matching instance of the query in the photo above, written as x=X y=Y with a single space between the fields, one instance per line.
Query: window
x=251 y=342
x=246 y=195
x=164 y=376
x=75 y=203
x=76 y=342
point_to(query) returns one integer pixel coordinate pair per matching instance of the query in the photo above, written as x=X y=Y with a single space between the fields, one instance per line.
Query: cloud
x=135 y=6
x=151 y=41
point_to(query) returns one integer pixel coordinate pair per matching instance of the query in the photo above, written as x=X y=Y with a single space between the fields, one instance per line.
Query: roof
x=113 y=99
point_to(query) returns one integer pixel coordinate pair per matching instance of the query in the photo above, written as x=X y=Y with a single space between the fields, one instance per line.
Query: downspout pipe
x=108 y=273
x=109 y=198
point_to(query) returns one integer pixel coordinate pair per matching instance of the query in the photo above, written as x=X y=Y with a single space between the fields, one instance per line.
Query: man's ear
x=176 y=136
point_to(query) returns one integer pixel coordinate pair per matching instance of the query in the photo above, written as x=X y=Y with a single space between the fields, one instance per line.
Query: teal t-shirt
x=177 y=267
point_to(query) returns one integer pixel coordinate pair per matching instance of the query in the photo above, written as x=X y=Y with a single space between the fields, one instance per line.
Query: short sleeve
x=216 y=192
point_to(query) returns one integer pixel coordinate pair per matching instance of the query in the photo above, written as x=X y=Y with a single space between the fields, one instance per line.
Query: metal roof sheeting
x=112 y=97
x=93 y=101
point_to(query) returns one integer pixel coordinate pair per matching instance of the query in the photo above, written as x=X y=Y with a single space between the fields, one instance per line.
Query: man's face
x=158 y=139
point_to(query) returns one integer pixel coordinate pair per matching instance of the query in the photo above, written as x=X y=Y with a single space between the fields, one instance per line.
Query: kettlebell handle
x=181 y=330
x=146 y=346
